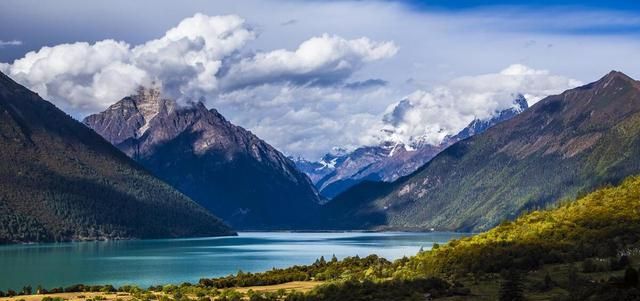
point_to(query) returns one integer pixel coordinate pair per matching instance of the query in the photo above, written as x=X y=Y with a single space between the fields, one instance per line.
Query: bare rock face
x=224 y=167
x=337 y=172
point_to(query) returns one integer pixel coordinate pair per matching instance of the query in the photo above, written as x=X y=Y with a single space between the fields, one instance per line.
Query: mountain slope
x=60 y=181
x=601 y=224
x=223 y=167
x=389 y=161
x=564 y=145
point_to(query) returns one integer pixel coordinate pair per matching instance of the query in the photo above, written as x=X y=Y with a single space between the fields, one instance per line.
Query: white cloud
x=189 y=55
x=10 y=43
x=436 y=48
x=430 y=115
x=83 y=78
x=187 y=61
x=326 y=59
x=307 y=119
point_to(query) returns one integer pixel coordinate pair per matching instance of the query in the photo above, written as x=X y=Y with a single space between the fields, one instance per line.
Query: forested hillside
x=563 y=146
x=61 y=181
x=582 y=250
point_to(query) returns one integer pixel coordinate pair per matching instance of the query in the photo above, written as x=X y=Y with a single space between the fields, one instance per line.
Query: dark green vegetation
x=600 y=232
x=223 y=167
x=61 y=181
x=563 y=146
x=372 y=267
x=354 y=278
x=583 y=250
x=603 y=224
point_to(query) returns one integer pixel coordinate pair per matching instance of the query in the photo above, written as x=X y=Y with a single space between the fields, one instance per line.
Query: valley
x=277 y=150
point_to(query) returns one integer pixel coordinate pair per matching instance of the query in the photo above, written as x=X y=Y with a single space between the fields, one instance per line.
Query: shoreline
x=237 y=234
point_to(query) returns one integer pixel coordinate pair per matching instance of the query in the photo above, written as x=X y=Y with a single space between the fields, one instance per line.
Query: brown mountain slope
x=61 y=181
x=564 y=145
x=223 y=167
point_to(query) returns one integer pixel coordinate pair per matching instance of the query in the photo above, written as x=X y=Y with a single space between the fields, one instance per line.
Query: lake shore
x=173 y=261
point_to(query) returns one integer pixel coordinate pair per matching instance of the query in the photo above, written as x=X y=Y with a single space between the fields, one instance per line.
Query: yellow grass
x=71 y=296
x=301 y=286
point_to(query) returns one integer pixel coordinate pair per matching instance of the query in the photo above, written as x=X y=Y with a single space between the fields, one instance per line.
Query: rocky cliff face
x=222 y=166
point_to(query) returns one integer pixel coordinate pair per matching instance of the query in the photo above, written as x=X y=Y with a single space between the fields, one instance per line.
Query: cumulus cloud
x=82 y=77
x=302 y=116
x=201 y=56
x=307 y=120
x=323 y=60
x=430 y=115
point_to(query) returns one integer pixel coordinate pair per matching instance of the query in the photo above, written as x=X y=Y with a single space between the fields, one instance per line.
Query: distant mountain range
x=563 y=146
x=340 y=170
x=223 y=167
x=60 y=181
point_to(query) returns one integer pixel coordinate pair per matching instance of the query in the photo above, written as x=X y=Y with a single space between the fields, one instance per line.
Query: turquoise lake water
x=153 y=262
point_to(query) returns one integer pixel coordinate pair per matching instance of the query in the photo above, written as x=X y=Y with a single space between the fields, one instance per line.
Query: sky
x=308 y=76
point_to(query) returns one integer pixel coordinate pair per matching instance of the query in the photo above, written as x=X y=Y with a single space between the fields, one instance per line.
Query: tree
x=26 y=290
x=548 y=282
x=511 y=286
x=588 y=266
x=573 y=279
x=631 y=277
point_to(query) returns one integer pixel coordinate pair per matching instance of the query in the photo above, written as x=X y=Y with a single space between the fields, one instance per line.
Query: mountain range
x=60 y=181
x=563 y=146
x=339 y=170
x=223 y=167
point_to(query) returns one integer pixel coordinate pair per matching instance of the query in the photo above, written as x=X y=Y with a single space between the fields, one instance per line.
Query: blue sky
x=310 y=75
x=577 y=4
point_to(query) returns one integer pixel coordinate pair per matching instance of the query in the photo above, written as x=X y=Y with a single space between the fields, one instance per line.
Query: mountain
x=60 y=181
x=334 y=174
x=580 y=250
x=223 y=167
x=599 y=224
x=316 y=170
x=562 y=146
x=478 y=126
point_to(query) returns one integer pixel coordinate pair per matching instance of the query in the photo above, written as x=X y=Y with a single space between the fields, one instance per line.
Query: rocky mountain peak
x=617 y=75
x=613 y=78
x=391 y=159
x=82 y=188
x=520 y=103
x=222 y=166
x=149 y=104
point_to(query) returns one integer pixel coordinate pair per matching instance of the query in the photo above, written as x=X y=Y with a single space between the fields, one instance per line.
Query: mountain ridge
x=224 y=167
x=390 y=160
x=584 y=138
x=60 y=181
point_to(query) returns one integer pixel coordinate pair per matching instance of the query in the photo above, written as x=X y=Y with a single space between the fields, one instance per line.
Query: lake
x=164 y=261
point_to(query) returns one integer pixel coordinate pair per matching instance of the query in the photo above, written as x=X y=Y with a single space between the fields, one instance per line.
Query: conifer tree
x=511 y=287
